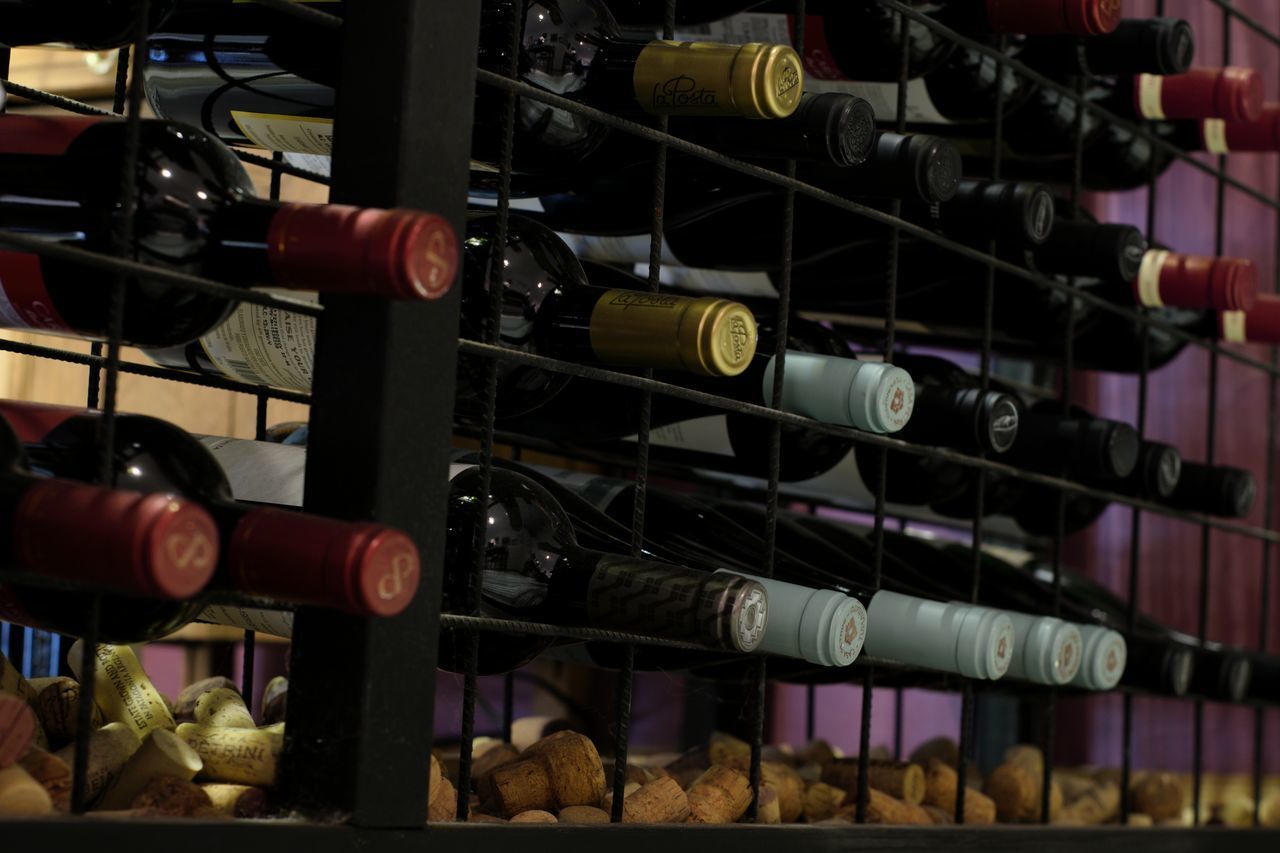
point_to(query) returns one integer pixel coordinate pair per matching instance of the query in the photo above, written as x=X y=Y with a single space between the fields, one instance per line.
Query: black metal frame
x=378 y=447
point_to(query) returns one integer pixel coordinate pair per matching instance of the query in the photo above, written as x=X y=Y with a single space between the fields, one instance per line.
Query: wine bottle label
x=1149 y=95
x=1233 y=326
x=304 y=135
x=1214 y=134
x=629 y=249
x=1148 y=283
x=24 y=299
x=713 y=281
x=278 y=623
x=706 y=435
x=260 y=471
x=265 y=346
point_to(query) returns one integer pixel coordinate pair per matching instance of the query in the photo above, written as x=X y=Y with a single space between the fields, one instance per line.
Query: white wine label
x=261 y=471
x=300 y=134
x=707 y=435
x=318 y=163
x=629 y=249
x=24 y=300
x=883 y=97
x=1149 y=277
x=1150 y=95
x=1214 y=132
x=1233 y=327
x=265 y=346
x=714 y=281
x=531 y=204
x=278 y=623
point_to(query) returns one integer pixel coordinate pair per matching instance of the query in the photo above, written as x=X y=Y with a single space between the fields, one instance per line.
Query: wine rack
x=355 y=761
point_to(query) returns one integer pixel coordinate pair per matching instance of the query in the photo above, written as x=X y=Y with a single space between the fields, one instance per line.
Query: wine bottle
x=130 y=550
x=275 y=89
x=1035 y=507
x=1163 y=46
x=549 y=309
x=908 y=628
x=357 y=567
x=862 y=41
x=640 y=12
x=84 y=24
x=197 y=214
x=1213 y=489
x=832 y=129
x=1218 y=672
x=535 y=570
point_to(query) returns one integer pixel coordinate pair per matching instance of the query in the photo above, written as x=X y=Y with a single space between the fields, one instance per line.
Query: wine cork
x=560 y=770
x=18 y=726
x=443 y=806
x=275 y=698
x=1158 y=795
x=941 y=785
x=58 y=706
x=123 y=691
x=110 y=749
x=606 y=802
x=782 y=778
x=659 y=801
x=817 y=752
x=526 y=731
x=1016 y=791
x=583 y=815
x=690 y=765
x=1026 y=755
x=184 y=707
x=1088 y=803
x=162 y=754
x=886 y=809
x=21 y=795
x=239 y=756
x=53 y=774
x=944 y=817
x=479 y=817
x=1140 y=819
x=821 y=801
x=944 y=749
x=173 y=797
x=534 y=816
x=779 y=753
x=720 y=795
x=223 y=707
x=237 y=800
x=726 y=749
x=902 y=780
x=767 y=811
x=488 y=761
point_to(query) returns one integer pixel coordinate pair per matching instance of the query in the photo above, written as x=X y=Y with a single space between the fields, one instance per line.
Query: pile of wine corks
x=201 y=755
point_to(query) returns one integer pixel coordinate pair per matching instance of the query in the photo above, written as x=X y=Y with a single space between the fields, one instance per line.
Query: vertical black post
x=379 y=444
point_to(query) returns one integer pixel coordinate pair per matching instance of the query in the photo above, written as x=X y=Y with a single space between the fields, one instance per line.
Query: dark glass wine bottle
x=197 y=214
x=362 y=568
x=548 y=308
x=534 y=568
x=141 y=551
x=275 y=89
x=85 y=24
x=1214 y=490
x=910 y=627
x=640 y=12
x=1162 y=46
x=1219 y=672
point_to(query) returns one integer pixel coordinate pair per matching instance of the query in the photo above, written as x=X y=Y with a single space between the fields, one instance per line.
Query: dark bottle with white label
x=197 y=214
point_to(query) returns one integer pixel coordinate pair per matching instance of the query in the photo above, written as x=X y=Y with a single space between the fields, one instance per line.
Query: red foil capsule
x=1193 y=281
x=358 y=567
x=153 y=545
x=1233 y=94
x=1260 y=325
x=1054 y=17
x=396 y=254
x=1262 y=134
